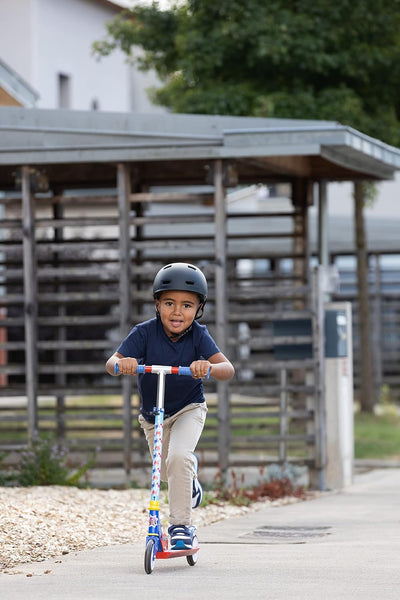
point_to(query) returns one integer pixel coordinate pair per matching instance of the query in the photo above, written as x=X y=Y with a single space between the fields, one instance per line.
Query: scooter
x=157 y=542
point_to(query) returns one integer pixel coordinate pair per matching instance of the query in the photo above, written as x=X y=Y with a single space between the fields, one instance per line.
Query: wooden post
x=367 y=398
x=30 y=302
x=283 y=416
x=323 y=251
x=221 y=312
x=3 y=314
x=123 y=183
x=377 y=346
x=60 y=354
x=301 y=197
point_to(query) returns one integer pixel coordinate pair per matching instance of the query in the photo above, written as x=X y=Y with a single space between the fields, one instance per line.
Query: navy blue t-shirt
x=150 y=345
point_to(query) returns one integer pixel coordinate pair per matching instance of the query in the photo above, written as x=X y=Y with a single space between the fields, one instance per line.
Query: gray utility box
x=336 y=338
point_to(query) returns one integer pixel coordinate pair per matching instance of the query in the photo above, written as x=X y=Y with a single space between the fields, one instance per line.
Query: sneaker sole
x=181 y=546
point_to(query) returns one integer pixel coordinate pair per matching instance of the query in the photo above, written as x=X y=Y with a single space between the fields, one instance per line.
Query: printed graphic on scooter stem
x=156 y=541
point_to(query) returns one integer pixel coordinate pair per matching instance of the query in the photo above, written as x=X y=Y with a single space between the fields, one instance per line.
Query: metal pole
x=319 y=376
x=221 y=312
x=123 y=184
x=319 y=334
x=30 y=302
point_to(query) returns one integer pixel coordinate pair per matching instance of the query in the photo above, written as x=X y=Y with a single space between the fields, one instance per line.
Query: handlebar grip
x=140 y=369
x=187 y=371
x=184 y=371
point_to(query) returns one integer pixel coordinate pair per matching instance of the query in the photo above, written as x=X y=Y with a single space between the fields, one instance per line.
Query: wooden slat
x=172 y=197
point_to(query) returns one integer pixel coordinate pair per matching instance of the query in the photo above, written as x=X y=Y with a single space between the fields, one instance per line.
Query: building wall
x=16 y=36
x=48 y=43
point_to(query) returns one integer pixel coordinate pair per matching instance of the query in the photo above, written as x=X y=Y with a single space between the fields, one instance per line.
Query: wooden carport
x=80 y=192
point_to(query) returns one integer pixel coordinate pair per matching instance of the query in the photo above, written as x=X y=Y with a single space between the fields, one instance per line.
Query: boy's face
x=177 y=311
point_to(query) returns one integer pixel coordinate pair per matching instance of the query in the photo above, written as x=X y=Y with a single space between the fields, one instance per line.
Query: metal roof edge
x=110 y=132
x=353 y=138
x=283 y=129
x=16 y=86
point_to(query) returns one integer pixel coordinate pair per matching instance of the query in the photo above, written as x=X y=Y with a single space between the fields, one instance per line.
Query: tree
x=367 y=397
x=305 y=59
x=308 y=59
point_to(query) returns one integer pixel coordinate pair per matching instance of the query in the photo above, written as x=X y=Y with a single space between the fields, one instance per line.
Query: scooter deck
x=177 y=553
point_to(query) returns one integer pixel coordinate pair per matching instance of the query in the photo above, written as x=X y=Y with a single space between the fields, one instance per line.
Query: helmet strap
x=178 y=336
x=175 y=336
x=200 y=311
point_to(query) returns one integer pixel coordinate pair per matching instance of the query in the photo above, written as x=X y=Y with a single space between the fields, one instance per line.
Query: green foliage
x=309 y=59
x=45 y=463
x=370 y=193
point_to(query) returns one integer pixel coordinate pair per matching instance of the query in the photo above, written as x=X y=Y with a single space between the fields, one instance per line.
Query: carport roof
x=82 y=147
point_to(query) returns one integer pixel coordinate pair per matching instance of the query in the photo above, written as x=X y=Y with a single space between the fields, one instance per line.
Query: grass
x=377 y=436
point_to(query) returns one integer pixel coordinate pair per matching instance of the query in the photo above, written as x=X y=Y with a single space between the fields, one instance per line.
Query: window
x=64 y=91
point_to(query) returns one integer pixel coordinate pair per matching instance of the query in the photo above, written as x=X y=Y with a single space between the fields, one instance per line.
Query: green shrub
x=46 y=463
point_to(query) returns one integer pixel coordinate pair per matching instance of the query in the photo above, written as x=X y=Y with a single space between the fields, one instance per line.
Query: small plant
x=277 y=483
x=5 y=476
x=384 y=396
x=46 y=463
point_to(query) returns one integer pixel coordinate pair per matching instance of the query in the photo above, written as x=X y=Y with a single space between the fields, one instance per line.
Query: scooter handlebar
x=157 y=369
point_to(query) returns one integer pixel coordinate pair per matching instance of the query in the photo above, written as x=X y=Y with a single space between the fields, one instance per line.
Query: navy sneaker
x=181 y=537
x=197 y=491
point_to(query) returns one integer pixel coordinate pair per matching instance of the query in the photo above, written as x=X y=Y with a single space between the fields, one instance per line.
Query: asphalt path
x=342 y=545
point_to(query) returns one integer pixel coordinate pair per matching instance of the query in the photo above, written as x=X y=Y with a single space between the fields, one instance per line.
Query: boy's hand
x=127 y=366
x=200 y=368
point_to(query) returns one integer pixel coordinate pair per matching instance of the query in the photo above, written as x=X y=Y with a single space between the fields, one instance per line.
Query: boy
x=174 y=337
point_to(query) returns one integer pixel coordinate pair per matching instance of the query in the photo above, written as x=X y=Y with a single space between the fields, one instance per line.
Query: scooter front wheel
x=193 y=558
x=150 y=556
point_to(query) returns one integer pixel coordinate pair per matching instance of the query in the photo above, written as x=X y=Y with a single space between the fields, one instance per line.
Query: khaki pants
x=181 y=433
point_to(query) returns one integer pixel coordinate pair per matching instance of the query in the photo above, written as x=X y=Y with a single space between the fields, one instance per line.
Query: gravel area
x=43 y=522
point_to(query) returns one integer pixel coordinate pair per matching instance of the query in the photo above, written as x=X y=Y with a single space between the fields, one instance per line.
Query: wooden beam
x=285 y=166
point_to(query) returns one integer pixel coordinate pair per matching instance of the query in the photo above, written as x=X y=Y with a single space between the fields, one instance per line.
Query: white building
x=48 y=43
x=45 y=47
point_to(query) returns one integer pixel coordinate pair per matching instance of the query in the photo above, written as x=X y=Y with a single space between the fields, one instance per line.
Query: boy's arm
x=220 y=367
x=126 y=365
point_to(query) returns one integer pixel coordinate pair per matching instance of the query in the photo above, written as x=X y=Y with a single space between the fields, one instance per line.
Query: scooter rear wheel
x=150 y=556
x=193 y=558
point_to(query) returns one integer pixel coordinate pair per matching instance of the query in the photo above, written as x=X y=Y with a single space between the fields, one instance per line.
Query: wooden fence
x=87 y=263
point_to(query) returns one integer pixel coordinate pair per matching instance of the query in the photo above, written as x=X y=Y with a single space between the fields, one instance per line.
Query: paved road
x=340 y=546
